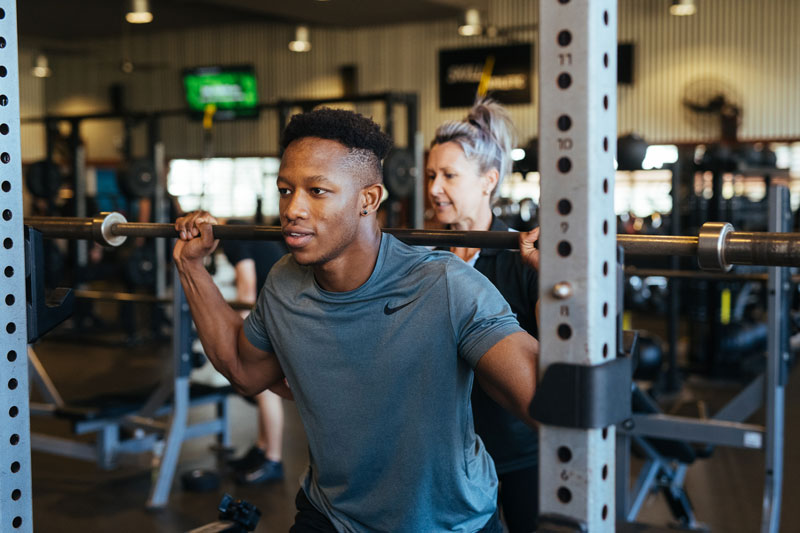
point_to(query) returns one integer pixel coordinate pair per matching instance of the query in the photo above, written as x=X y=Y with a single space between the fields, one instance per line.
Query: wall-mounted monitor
x=232 y=89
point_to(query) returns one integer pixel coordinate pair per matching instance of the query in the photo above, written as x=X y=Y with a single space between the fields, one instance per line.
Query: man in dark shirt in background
x=252 y=261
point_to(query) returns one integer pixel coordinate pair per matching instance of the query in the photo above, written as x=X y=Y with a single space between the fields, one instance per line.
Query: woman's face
x=456 y=188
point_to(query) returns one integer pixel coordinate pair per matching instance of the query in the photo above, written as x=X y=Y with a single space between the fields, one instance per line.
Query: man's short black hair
x=351 y=129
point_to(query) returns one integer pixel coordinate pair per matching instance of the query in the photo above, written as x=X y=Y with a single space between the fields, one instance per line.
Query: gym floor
x=74 y=495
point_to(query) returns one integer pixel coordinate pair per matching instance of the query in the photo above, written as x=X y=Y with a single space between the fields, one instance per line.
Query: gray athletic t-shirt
x=382 y=378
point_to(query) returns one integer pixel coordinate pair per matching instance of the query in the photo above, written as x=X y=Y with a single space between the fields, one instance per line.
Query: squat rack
x=578 y=281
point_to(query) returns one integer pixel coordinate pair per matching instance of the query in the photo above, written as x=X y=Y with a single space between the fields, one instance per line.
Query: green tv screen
x=232 y=90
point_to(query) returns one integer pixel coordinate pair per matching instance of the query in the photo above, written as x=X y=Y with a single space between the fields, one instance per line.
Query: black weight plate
x=398 y=172
x=43 y=179
x=139 y=180
x=141 y=267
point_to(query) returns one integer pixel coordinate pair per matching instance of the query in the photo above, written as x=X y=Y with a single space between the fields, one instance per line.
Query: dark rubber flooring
x=74 y=495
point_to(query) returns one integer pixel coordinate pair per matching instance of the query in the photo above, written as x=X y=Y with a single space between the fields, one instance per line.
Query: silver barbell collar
x=711 y=246
x=102 y=225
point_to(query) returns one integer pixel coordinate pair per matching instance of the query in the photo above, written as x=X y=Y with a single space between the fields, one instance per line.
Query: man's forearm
x=217 y=323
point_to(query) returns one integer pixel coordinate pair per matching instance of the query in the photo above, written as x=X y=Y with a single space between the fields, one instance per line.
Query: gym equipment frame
x=577 y=278
x=15 y=457
x=726 y=427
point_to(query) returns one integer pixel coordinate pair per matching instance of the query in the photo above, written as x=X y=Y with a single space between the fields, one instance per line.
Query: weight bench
x=109 y=416
x=666 y=463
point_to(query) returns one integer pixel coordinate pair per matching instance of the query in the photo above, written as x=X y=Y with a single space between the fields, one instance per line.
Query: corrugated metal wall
x=32 y=104
x=748 y=48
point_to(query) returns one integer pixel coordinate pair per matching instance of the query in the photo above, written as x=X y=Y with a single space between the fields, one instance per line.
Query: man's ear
x=370 y=198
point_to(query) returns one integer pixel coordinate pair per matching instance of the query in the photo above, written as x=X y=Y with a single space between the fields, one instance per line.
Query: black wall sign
x=460 y=73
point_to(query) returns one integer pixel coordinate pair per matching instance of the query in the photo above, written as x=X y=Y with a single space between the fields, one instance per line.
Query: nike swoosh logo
x=391 y=310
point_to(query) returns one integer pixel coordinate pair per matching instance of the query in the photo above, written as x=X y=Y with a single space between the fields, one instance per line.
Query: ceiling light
x=301 y=42
x=682 y=8
x=517 y=154
x=472 y=23
x=139 y=12
x=41 y=69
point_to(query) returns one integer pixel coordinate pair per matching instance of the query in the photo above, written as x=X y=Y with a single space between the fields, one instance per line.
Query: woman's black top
x=511 y=443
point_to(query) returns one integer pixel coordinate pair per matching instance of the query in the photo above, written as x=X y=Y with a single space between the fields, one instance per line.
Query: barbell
x=717 y=247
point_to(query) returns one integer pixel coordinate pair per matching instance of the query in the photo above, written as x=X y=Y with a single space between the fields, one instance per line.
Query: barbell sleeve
x=717 y=247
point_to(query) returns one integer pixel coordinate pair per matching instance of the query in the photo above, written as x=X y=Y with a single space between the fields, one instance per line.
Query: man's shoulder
x=407 y=258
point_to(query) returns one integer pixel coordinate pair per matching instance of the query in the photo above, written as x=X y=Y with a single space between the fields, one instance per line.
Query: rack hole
x=605 y=102
x=8 y=243
x=605 y=144
x=3 y=71
x=11 y=356
x=564 y=37
x=3 y=100
x=14 y=411
x=605 y=512
x=564 y=80
x=15 y=467
x=605 y=472
x=605 y=350
x=564 y=495
x=605 y=18
x=605 y=433
x=4 y=129
x=10 y=299
x=605 y=309
x=6 y=186
x=7 y=214
x=564 y=331
x=16 y=494
x=564 y=165
x=605 y=60
x=564 y=454
x=2 y=42
x=564 y=122
x=8 y=271
x=564 y=206
x=12 y=383
x=605 y=227
x=2 y=13
x=564 y=248
x=605 y=268
x=5 y=157
x=605 y=185
x=17 y=522
x=14 y=440
x=11 y=327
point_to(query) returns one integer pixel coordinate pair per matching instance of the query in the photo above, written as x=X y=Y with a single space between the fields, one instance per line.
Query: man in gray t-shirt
x=377 y=340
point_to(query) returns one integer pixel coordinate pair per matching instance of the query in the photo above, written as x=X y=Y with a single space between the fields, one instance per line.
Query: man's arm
x=219 y=327
x=247 y=291
x=507 y=372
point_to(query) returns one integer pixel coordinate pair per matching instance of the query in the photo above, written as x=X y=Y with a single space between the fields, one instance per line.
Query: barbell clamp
x=711 y=246
x=102 y=225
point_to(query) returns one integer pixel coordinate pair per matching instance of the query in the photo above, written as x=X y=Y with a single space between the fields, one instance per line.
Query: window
x=225 y=187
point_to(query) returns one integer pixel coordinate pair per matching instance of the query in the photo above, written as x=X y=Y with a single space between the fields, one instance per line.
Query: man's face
x=319 y=198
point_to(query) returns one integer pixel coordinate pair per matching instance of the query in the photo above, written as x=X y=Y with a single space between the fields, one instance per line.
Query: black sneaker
x=263 y=473
x=253 y=458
